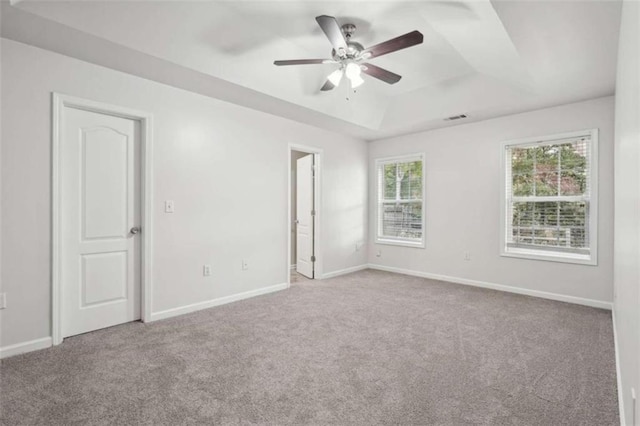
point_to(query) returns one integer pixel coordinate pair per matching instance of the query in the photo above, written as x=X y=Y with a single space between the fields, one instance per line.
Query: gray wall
x=462 y=206
x=627 y=208
x=224 y=166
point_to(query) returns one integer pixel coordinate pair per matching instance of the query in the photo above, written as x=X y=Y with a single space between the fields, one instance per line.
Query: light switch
x=206 y=270
x=168 y=206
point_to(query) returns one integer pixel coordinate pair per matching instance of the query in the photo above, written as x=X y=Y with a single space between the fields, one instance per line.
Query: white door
x=99 y=220
x=304 y=216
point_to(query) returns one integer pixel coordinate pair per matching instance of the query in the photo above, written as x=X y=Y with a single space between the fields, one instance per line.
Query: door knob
x=134 y=230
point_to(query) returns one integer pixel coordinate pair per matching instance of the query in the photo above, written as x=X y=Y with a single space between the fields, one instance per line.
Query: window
x=400 y=218
x=550 y=194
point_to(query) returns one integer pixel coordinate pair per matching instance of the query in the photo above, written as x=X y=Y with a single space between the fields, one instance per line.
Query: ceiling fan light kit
x=335 y=77
x=352 y=71
x=351 y=55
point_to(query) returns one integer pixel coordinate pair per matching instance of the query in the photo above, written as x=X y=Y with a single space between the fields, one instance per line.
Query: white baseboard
x=293 y=267
x=618 y=375
x=47 y=342
x=344 y=271
x=24 y=347
x=500 y=287
x=216 y=302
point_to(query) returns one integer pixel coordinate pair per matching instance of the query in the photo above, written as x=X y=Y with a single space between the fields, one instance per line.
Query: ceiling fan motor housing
x=353 y=48
x=352 y=52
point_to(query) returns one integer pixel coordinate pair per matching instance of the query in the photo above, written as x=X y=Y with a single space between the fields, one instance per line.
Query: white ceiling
x=479 y=58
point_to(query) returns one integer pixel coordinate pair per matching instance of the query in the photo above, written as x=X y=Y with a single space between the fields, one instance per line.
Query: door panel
x=104 y=278
x=100 y=203
x=104 y=201
x=304 y=218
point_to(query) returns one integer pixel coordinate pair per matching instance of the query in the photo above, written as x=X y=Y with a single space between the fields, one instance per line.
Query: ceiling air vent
x=455 y=117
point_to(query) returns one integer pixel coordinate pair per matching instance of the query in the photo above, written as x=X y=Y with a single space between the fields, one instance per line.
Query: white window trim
x=392 y=241
x=533 y=254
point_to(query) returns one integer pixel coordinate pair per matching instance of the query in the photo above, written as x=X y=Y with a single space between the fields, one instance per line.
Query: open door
x=304 y=216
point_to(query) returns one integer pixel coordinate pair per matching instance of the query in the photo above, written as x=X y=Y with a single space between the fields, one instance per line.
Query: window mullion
x=559 y=180
x=398 y=182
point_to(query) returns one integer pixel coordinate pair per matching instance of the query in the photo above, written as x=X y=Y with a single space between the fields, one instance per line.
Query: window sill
x=414 y=244
x=551 y=256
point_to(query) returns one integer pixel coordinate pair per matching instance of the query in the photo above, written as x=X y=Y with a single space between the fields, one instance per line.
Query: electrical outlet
x=379 y=253
x=245 y=265
x=206 y=270
x=3 y=300
x=168 y=206
x=358 y=246
x=467 y=255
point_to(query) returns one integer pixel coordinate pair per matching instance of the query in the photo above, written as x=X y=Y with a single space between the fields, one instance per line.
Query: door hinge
x=313 y=212
x=313 y=258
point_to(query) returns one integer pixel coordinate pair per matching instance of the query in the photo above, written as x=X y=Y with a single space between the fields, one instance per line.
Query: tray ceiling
x=479 y=58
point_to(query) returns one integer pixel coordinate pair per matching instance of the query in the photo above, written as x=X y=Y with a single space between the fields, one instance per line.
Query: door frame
x=59 y=102
x=317 y=205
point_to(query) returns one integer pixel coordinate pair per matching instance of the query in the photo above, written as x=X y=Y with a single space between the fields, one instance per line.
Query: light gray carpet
x=366 y=348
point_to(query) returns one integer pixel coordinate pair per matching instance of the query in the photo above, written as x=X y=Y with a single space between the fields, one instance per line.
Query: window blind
x=548 y=192
x=400 y=204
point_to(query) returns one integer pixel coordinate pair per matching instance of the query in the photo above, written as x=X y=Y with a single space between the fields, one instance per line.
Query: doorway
x=101 y=213
x=304 y=213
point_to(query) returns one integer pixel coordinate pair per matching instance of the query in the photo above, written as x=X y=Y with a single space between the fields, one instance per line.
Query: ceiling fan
x=352 y=56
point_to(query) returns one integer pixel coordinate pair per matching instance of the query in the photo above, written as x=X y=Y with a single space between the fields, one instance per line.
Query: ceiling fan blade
x=304 y=62
x=381 y=73
x=395 y=44
x=332 y=30
x=328 y=85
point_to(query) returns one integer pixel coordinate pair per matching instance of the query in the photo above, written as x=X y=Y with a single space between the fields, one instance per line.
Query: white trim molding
x=618 y=374
x=24 y=347
x=59 y=102
x=187 y=309
x=47 y=342
x=344 y=271
x=500 y=287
